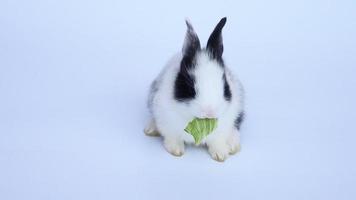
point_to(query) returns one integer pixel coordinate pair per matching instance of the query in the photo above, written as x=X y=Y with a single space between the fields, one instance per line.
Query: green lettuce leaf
x=200 y=128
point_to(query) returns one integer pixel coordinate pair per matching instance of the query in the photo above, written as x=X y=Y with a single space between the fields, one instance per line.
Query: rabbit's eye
x=227 y=91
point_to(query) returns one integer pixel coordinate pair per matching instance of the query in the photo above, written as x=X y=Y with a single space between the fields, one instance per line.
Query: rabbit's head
x=201 y=81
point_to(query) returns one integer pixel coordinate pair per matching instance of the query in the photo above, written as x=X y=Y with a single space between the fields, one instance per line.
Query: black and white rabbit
x=196 y=83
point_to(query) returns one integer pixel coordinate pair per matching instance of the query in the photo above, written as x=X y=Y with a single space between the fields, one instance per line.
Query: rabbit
x=197 y=83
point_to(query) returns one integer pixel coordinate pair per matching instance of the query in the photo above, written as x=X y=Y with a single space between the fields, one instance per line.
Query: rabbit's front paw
x=219 y=150
x=151 y=129
x=234 y=142
x=174 y=146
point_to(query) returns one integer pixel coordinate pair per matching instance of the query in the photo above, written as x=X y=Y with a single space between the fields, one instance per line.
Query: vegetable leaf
x=200 y=128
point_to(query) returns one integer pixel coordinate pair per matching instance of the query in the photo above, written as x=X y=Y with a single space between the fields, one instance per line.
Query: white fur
x=170 y=117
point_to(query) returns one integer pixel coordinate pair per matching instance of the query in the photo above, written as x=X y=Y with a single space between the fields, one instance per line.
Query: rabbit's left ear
x=215 y=43
x=191 y=43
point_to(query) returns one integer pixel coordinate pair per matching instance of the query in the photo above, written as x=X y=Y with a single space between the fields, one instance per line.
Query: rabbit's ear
x=191 y=42
x=215 y=43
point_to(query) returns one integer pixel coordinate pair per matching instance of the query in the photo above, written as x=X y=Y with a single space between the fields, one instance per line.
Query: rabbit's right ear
x=215 y=43
x=191 y=43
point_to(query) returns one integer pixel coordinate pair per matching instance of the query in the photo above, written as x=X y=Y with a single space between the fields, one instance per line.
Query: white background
x=74 y=76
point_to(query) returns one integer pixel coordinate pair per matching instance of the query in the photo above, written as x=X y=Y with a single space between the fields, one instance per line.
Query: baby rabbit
x=197 y=84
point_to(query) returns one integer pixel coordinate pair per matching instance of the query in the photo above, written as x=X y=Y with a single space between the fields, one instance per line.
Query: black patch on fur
x=184 y=86
x=227 y=91
x=240 y=118
x=215 y=45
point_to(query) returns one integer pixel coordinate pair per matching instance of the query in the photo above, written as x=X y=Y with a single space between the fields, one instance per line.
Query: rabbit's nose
x=208 y=112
